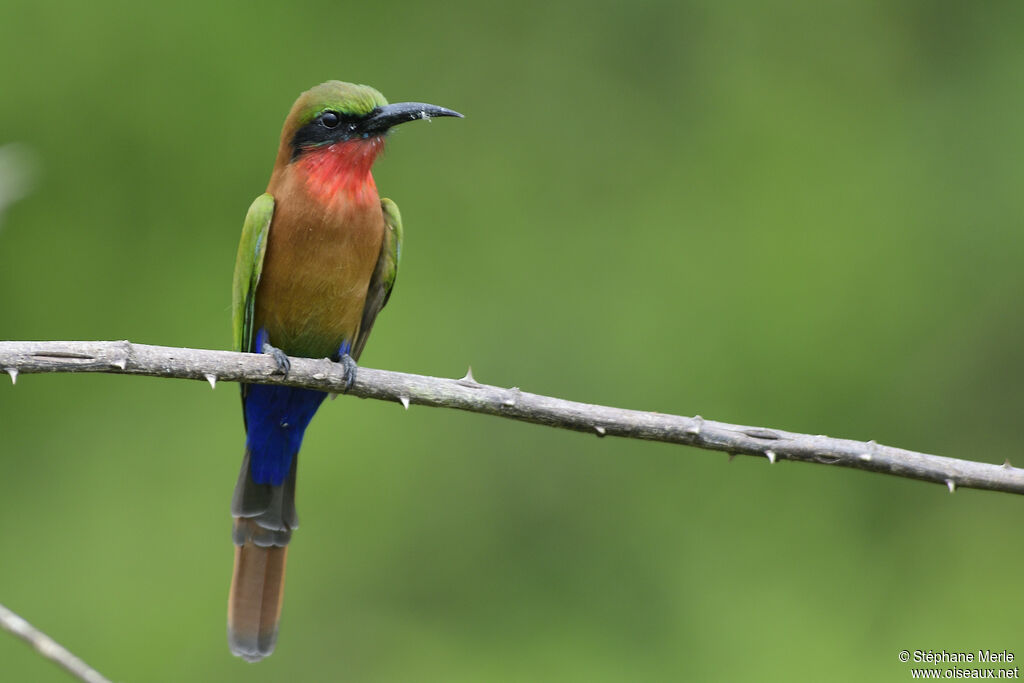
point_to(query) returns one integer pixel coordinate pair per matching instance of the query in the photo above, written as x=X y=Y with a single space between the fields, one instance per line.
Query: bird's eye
x=329 y=119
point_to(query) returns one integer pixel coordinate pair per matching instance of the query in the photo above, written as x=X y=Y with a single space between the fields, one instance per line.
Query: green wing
x=248 y=266
x=383 y=280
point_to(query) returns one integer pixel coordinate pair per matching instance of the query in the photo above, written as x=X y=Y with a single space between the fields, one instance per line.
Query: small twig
x=467 y=394
x=48 y=647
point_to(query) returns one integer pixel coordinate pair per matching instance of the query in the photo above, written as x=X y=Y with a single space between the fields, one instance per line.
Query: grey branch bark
x=48 y=647
x=466 y=394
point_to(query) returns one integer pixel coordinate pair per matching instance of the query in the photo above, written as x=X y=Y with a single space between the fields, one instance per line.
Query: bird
x=316 y=263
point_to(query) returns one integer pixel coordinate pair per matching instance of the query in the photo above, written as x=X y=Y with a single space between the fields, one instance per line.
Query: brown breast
x=320 y=256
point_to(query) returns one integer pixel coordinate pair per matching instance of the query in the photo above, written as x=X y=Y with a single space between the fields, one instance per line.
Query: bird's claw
x=350 y=371
x=280 y=357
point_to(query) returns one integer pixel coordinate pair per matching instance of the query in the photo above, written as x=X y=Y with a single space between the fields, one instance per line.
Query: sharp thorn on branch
x=695 y=429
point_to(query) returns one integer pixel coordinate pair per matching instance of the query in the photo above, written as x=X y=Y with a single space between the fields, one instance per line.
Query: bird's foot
x=280 y=357
x=350 y=370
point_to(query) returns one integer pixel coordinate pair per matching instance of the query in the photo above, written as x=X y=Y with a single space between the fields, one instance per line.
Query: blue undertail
x=276 y=419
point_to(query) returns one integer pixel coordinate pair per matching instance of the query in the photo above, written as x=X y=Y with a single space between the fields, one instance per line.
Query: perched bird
x=316 y=264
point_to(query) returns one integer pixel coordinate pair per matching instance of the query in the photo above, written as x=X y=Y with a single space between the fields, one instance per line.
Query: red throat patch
x=342 y=171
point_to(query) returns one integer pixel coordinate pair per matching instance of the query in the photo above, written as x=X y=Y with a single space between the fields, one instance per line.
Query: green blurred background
x=801 y=215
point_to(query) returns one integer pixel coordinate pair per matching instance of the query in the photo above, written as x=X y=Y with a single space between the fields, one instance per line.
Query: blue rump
x=276 y=419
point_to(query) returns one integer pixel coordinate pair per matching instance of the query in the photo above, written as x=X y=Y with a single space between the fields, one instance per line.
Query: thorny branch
x=467 y=394
x=48 y=647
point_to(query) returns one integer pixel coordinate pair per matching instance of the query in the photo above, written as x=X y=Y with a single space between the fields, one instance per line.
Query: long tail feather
x=264 y=519
x=254 y=603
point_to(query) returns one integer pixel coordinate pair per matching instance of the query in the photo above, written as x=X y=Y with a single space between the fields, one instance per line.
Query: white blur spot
x=18 y=166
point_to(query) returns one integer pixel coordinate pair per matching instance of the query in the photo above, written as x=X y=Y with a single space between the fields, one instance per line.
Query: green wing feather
x=248 y=266
x=383 y=279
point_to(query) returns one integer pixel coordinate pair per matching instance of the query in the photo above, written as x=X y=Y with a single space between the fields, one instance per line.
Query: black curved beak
x=383 y=118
